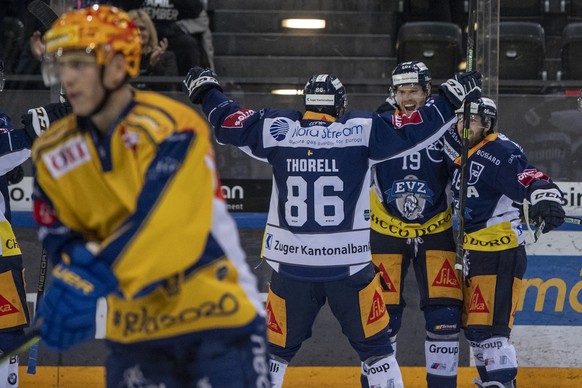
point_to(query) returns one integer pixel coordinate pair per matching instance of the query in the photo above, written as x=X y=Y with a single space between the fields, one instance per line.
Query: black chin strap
x=108 y=93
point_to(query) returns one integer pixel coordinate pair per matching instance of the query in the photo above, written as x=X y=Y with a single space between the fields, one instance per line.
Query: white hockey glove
x=546 y=206
x=198 y=81
x=463 y=86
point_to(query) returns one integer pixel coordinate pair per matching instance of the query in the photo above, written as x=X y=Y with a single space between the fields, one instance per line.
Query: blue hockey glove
x=79 y=254
x=546 y=206
x=463 y=86
x=67 y=311
x=198 y=81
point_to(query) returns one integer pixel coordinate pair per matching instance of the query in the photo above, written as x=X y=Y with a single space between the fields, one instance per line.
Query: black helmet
x=484 y=107
x=414 y=72
x=325 y=93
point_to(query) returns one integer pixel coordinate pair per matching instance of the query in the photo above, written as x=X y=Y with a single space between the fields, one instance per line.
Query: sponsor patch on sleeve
x=237 y=119
x=529 y=175
x=399 y=120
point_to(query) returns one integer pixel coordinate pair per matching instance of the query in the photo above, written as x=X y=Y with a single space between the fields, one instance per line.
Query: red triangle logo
x=446 y=277
x=272 y=323
x=6 y=307
x=478 y=304
x=378 y=309
x=386 y=278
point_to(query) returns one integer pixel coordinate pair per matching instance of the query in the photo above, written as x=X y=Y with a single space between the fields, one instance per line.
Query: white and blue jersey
x=319 y=216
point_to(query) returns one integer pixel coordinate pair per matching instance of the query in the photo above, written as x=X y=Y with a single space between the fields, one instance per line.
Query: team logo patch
x=237 y=119
x=529 y=175
x=475 y=171
x=279 y=129
x=410 y=196
x=70 y=155
x=400 y=119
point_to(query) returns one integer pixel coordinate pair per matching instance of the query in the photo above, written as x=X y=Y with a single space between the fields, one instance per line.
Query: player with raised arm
x=127 y=198
x=501 y=181
x=412 y=222
x=317 y=234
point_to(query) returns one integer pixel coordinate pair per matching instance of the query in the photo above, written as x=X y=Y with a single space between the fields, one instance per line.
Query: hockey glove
x=15 y=175
x=79 y=254
x=67 y=311
x=463 y=86
x=546 y=206
x=198 y=81
x=38 y=120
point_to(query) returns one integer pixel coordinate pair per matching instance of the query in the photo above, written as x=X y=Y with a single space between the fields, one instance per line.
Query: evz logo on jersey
x=410 y=196
x=475 y=171
x=400 y=120
x=70 y=155
x=238 y=118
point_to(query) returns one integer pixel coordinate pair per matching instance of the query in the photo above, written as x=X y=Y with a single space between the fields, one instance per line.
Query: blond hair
x=142 y=15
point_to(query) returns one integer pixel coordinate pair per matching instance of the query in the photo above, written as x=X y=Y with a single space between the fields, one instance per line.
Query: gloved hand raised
x=38 y=120
x=546 y=206
x=463 y=86
x=198 y=81
x=67 y=311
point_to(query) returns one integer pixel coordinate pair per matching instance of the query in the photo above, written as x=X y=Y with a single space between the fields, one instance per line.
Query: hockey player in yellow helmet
x=101 y=35
x=127 y=199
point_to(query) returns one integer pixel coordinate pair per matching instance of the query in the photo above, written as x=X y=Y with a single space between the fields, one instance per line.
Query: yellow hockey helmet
x=100 y=29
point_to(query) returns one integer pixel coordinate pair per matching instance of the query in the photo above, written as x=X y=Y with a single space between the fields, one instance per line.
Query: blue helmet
x=413 y=72
x=325 y=93
x=486 y=108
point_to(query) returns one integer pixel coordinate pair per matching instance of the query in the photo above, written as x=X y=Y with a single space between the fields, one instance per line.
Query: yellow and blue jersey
x=148 y=193
x=500 y=179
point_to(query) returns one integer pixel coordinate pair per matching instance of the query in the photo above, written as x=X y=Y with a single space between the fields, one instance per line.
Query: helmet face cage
x=326 y=94
x=407 y=73
x=100 y=30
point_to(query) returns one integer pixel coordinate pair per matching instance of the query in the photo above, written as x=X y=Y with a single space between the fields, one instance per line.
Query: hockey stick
x=33 y=354
x=43 y=13
x=573 y=220
x=567 y=219
x=471 y=37
x=46 y=16
x=22 y=345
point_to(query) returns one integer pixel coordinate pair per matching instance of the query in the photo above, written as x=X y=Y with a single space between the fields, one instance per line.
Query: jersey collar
x=309 y=115
x=478 y=146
